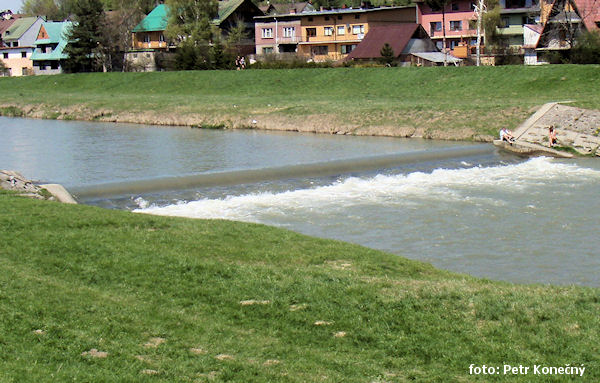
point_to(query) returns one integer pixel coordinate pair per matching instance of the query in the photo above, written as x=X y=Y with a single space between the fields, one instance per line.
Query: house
x=286 y=8
x=562 y=24
x=234 y=12
x=515 y=15
x=406 y=40
x=460 y=22
x=19 y=40
x=277 y=33
x=589 y=10
x=49 y=56
x=325 y=34
x=148 y=38
x=149 y=35
x=7 y=18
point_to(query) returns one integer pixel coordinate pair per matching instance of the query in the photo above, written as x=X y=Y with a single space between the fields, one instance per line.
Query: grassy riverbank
x=180 y=300
x=451 y=103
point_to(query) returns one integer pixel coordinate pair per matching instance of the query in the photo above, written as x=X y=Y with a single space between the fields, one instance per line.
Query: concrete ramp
x=576 y=128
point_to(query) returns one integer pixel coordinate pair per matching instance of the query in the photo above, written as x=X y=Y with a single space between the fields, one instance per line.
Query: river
x=461 y=206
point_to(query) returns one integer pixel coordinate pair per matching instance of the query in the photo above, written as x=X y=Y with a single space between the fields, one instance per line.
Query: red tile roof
x=397 y=36
x=589 y=10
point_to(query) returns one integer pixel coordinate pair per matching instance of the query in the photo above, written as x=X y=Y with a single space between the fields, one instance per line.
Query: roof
x=534 y=27
x=354 y=10
x=6 y=23
x=528 y=10
x=286 y=8
x=57 y=32
x=18 y=28
x=226 y=8
x=437 y=57
x=157 y=20
x=590 y=13
x=397 y=36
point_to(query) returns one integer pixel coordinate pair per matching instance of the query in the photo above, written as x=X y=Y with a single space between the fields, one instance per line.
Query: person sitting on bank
x=551 y=136
x=506 y=135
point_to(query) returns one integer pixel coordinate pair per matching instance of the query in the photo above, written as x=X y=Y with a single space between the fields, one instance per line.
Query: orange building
x=326 y=34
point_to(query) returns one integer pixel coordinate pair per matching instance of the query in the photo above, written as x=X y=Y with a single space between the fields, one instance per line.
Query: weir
x=239 y=177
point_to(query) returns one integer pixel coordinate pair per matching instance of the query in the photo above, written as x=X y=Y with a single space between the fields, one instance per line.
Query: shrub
x=587 y=49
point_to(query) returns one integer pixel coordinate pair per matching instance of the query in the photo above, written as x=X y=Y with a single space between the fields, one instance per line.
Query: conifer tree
x=85 y=36
x=387 y=55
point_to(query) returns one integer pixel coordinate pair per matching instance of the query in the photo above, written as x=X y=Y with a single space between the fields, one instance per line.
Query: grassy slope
x=112 y=280
x=482 y=99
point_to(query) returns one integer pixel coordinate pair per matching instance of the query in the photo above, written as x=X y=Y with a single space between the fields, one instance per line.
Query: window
x=455 y=6
x=54 y=65
x=347 y=48
x=48 y=49
x=472 y=24
x=289 y=32
x=505 y=22
x=24 y=71
x=267 y=50
x=515 y=3
x=310 y=18
x=146 y=38
x=15 y=44
x=339 y=17
x=161 y=38
x=267 y=33
x=357 y=17
x=341 y=30
x=42 y=66
x=326 y=18
x=435 y=26
x=528 y=20
x=358 y=29
x=328 y=31
x=319 y=50
x=311 y=32
x=5 y=55
x=456 y=25
x=24 y=55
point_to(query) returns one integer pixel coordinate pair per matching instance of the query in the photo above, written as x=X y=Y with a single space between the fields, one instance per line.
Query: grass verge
x=451 y=103
x=88 y=294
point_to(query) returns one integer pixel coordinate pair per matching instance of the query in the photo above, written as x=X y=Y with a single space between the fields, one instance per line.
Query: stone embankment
x=11 y=180
x=577 y=130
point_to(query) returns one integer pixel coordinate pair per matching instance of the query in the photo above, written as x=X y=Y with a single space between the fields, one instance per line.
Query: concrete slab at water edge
x=575 y=128
x=15 y=181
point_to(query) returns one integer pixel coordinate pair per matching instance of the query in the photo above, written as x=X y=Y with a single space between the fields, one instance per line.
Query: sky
x=13 y=5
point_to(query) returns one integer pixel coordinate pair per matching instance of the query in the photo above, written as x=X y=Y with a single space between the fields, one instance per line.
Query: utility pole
x=479 y=10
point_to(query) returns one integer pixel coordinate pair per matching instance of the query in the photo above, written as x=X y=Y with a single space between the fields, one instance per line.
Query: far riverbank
x=441 y=103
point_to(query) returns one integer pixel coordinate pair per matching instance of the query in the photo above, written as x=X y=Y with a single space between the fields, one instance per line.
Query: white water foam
x=441 y=185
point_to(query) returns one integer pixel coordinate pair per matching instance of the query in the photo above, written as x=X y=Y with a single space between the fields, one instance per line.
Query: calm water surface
x=490 y=215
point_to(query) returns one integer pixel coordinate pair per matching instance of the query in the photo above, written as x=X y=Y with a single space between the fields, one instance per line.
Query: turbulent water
x=459 y=206
x=534 y=221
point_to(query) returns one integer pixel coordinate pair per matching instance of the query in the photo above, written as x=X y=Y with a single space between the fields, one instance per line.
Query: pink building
x=461 y=25
x=277 y=34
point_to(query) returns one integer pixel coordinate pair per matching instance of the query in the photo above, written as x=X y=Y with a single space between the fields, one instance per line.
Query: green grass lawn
x=182 y=300
x=464 y=102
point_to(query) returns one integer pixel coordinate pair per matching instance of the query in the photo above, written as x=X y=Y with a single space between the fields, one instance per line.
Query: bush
x=587 y=49
x=287 y=61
